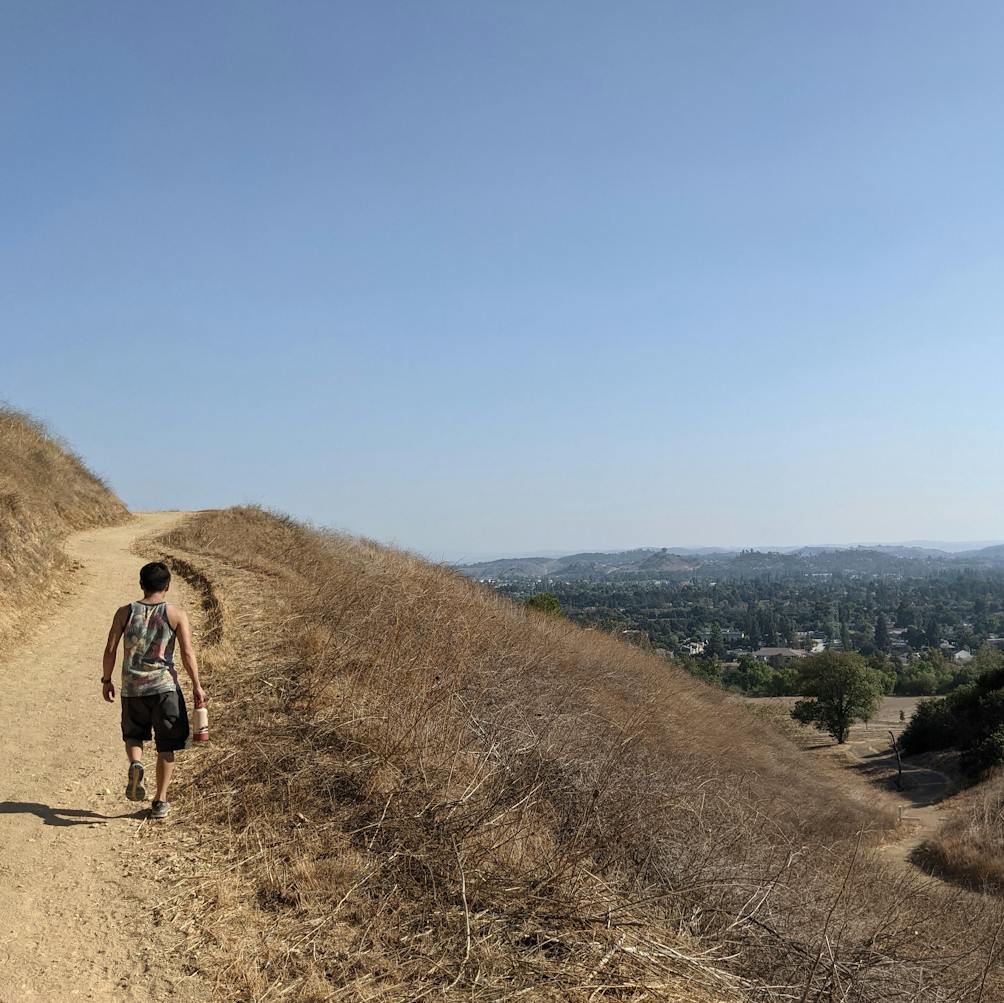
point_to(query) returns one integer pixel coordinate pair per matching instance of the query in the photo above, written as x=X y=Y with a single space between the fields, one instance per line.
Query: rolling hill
x=430 y=791
x=46 y=492
x=590 y=565
x=655 y=564
x=419 y=789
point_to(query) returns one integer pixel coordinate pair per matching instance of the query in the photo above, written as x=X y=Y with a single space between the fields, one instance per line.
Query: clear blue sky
x=516 y=276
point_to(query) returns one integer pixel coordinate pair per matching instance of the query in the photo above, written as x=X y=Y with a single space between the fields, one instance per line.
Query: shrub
x=544 y=602
x=931 y=727
x=970 y=719
x=985 y=755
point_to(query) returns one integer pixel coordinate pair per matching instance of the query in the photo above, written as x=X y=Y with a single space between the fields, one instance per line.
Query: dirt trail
x=78 y=863
x=921 y=801
x=925 y=801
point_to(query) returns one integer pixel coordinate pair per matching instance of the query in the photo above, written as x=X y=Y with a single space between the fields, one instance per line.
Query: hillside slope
x=45 y=493
x=418 y=788
x=969 y=848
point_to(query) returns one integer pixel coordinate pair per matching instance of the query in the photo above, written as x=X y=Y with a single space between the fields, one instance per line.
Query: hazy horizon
x=950 y=546
x=479 y=277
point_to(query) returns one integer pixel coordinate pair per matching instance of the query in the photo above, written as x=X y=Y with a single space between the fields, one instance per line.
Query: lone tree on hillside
x=841 y=688
x=544 y=602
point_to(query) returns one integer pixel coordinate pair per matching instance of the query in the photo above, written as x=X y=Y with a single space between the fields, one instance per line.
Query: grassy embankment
x=969 y=848
x=45 y=493
x=418 y=789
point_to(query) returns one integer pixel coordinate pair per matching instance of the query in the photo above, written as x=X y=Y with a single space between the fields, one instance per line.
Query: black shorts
x=164 y=714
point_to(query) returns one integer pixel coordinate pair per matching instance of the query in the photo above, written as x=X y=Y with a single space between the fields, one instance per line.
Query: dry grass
x=969 y=848
x=416 y=789
x=45 y=493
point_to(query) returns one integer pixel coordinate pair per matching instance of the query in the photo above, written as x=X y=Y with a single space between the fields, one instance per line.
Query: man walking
x=152 y=700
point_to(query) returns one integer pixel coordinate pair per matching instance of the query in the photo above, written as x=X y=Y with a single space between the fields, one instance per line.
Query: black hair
x=154 y=577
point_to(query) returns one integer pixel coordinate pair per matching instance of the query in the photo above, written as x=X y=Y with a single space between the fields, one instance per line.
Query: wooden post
x=899 y=762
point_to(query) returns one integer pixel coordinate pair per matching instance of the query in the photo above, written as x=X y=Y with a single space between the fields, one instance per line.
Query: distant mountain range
x=586 y=566
x=662 y=563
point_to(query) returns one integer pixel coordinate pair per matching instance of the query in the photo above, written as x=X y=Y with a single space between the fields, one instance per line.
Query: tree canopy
x=544 y=602
x=970 y=719
x=841 y=688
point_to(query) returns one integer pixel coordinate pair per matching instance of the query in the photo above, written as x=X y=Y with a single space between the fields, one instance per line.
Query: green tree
x=886 y=671
x=882 y=641
x=840 y=689
x=845 y=636
x=758 y=677
x=987 y=659
x=752 y=628
x=715 y=648
x=864 y=639
x=786 y=628
x=544 y=602
x=981 y=620
x=932 y=630
x=768 y=626
x=784 y=683
x=708 y=669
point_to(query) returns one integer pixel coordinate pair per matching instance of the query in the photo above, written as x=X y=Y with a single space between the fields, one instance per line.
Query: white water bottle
x=201 y=731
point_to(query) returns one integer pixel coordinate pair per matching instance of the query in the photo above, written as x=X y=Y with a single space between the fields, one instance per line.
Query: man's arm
x=111 y=647
x=191 y=663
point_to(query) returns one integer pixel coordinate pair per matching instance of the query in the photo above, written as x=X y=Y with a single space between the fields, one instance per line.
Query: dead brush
x=969 y=848
x=45 y=493
x=423 y=791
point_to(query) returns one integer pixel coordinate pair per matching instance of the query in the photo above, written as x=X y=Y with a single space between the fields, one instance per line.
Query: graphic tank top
x=148 y=640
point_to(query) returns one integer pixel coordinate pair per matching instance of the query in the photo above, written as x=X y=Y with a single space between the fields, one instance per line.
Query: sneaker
x=135 y=791
x=160 y=809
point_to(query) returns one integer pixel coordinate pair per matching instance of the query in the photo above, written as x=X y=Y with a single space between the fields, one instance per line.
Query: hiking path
x=81 y=868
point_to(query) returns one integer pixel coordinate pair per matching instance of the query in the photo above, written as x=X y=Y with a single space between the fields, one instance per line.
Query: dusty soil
x=922 y=802
x=921 y=794
x=82 y=872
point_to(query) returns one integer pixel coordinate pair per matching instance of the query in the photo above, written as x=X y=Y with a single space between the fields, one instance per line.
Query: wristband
x=106 y=681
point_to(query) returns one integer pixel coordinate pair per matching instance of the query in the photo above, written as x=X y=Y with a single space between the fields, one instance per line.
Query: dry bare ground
x=922 y=798
x=83 y=875
x=419 y=790
x=80 y=873
x=950 y=830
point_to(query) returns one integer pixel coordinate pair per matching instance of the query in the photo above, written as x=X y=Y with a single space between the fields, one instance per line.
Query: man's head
x=154 y=577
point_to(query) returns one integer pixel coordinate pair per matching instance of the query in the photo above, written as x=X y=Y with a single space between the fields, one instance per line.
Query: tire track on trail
x=81 y=870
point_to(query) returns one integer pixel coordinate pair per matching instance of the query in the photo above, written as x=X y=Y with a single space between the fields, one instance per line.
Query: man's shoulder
x=175 y=614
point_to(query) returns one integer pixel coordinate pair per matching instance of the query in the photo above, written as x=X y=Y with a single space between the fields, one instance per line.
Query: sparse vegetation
x=45 y=493
x=969 y=847
x=418 y=788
